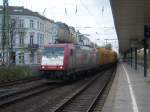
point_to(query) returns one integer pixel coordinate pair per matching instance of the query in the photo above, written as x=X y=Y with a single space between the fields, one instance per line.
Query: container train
x=71 y=61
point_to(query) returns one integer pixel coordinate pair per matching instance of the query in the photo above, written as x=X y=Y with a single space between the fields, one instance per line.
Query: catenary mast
x=5 y=34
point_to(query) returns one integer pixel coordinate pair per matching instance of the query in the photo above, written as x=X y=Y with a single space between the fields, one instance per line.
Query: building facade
x=63 y=33
x=55 y=29
x=73 y=35
x=30 y=32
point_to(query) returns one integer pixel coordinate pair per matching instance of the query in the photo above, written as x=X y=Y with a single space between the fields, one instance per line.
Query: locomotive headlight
x=61 y=67
x=43 y=67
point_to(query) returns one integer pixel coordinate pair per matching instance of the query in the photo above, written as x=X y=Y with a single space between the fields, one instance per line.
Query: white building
x=74 y=35
x=31 y=32
x=54 y=32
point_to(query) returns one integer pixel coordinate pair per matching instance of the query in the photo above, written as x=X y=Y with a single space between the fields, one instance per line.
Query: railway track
x=99 y=103
x=21 y=93
x=79 y=96
x=85 y=98
x=16 y=82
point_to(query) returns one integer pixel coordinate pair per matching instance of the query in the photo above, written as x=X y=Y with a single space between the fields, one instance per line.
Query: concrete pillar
x=128 y=56
x=148 y=55
x=131 y=57
x=145 y=58
x=124 y=57
x=136 y=58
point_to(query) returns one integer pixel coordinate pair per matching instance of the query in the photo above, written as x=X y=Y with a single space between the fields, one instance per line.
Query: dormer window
x=18 y=10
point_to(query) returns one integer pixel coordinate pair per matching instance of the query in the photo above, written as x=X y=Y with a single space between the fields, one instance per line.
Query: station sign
x=147 y=31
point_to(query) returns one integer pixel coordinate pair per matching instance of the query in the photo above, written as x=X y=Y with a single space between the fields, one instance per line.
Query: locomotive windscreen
x=53 y=56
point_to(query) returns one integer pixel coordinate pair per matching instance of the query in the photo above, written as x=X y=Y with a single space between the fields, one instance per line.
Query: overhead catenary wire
x=77 y=9
x=87 y=9
x=102 y=10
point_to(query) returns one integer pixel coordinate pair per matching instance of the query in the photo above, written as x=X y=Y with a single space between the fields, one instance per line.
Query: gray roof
x=17 y=10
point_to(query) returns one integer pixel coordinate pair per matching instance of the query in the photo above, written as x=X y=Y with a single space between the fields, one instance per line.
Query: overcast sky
x=92 y=17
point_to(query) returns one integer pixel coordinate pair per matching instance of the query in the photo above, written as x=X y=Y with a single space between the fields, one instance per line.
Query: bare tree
x=12 y=31
x=14 y=28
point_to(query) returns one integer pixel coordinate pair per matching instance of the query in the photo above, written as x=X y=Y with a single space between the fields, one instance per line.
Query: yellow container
x=106 y=56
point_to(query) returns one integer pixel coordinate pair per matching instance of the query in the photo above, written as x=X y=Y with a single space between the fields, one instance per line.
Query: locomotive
x=70 y=61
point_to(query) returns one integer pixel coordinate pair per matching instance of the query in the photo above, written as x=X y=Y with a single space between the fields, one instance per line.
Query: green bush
x=14 y=73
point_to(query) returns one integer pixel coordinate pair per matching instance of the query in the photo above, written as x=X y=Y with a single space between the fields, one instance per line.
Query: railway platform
x=130 y=91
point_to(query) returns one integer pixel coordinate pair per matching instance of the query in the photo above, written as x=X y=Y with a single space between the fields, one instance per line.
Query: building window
x=21 y=39
x=38 y=25
x=31 y=24
x=31 y=39
x=21 y=23
x=13 y=23
x=40 y=39
x=39 y=55
x=41 y=26
x=32 y=58
x=21 y=58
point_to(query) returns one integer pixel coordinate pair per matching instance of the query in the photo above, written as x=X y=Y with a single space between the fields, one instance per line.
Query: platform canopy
x=130 y=16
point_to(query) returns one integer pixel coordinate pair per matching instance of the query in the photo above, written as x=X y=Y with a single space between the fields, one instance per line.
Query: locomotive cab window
x=53 y=56
x=53 y=52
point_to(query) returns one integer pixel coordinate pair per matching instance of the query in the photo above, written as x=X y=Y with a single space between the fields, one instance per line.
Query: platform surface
x=130 y=91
